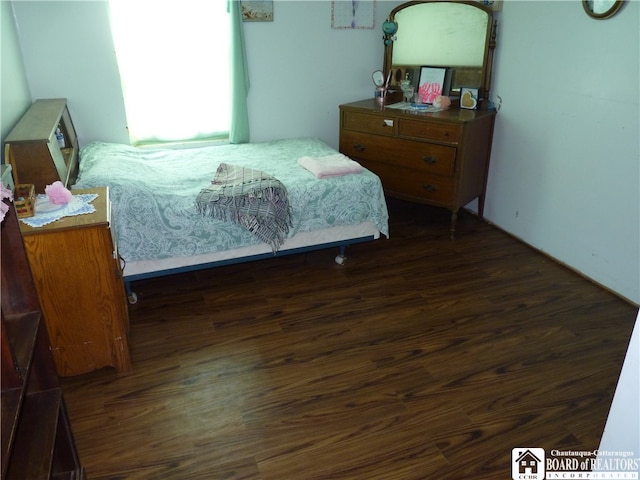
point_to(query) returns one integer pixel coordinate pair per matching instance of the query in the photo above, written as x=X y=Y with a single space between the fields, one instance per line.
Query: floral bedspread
x=153 y=194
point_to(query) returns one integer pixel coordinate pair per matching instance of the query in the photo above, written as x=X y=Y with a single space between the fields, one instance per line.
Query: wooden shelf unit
x=32 y=149
x=36 y=437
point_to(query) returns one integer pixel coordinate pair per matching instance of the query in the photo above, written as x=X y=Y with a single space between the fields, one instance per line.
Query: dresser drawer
x=378 y=124
x=418 y=156
x=438 y=132
x=411 y=184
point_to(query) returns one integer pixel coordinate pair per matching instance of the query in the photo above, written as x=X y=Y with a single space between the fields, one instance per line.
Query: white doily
x=47 y=212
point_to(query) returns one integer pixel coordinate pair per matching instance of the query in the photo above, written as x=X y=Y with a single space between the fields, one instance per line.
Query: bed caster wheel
x=340 y=259
x=132 y=298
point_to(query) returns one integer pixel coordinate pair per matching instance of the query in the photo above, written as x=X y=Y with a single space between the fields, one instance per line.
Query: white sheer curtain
x=173 y=58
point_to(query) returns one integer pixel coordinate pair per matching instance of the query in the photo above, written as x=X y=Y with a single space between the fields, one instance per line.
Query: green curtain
x=239 y=128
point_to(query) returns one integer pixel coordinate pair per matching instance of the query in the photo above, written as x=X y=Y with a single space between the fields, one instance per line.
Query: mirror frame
x=617 y=4
x=490 y=42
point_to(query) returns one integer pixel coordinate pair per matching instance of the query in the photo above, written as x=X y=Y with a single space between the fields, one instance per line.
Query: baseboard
x=556 y=260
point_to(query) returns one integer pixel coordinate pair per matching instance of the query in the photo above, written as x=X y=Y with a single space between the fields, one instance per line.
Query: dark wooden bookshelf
x=37 y=440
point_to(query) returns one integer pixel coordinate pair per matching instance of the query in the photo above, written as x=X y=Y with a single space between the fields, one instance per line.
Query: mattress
x=153 y=194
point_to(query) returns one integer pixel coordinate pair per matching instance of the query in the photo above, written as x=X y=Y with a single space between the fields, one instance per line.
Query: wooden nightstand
x=78 y=278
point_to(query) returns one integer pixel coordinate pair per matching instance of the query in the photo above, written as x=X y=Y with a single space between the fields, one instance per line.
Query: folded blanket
x=330 y=166
x=250 y=198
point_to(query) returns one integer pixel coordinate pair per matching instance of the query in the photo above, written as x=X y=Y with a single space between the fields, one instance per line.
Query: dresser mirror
x=601 y=9
x=459 y=35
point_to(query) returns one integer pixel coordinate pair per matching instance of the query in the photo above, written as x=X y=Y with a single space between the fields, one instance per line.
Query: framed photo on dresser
x=433 y=82
x=468 y=98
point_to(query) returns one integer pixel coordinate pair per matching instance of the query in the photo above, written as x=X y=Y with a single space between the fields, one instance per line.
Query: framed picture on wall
x=433 y=82
x=352 y=14
x=468 y=98
x=257 y=11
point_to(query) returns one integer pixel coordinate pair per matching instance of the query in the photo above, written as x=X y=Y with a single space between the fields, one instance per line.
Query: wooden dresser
x=437 y=158
x=78 y=277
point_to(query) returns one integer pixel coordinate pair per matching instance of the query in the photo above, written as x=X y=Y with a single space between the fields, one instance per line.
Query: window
x=174 y=62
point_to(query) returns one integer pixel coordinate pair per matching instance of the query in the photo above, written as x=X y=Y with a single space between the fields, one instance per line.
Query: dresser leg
x=454 y=219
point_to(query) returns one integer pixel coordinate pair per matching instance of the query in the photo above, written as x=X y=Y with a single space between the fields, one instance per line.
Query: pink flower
x=57 y=194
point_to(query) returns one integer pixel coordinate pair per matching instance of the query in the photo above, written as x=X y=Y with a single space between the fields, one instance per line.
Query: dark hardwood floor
x=420 y=358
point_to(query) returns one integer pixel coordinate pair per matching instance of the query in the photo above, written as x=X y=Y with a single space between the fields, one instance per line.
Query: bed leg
x=341 y=257
x=132 y=298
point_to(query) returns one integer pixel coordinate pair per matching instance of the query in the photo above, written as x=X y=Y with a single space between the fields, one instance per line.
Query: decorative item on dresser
x=43 y=147
x=78 y=277
x=437 y=156
x=37 y=441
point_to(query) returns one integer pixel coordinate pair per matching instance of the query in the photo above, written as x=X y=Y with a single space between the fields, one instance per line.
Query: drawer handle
x=430 y=187
x=358 y=147
x=430 y=160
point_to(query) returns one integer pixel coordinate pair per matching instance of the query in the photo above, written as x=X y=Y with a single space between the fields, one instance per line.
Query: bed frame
x=340 y=237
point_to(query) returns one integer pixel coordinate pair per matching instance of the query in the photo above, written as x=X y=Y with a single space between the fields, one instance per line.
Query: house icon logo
x=527 y=464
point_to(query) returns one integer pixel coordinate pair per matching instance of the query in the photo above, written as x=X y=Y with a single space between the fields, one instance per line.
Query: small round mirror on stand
x=601 y=9
x=378 y=78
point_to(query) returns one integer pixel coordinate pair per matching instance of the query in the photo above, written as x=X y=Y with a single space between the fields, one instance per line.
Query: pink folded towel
x=330 y=166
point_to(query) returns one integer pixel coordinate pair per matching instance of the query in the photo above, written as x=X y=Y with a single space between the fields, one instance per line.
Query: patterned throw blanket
x=250 y=198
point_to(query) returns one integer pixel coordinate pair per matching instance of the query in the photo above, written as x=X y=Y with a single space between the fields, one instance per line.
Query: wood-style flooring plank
x=420 y=358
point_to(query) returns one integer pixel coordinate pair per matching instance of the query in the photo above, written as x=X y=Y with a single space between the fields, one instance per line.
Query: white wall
x=14 y=89
x=68 y=52
x=565 y=165
x=302 y=69
x=565 y=169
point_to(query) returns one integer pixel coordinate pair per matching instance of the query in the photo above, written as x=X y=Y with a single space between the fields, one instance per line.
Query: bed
x=159 y=230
